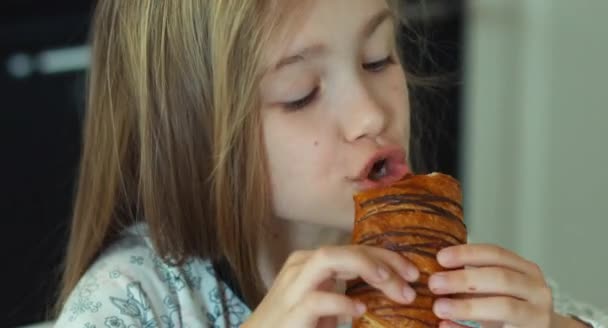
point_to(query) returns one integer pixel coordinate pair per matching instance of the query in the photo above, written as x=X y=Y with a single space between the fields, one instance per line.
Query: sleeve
x=583 y=312
x=126 y=289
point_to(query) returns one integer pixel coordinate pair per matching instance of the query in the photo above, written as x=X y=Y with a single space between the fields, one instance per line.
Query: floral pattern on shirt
x=130 y=286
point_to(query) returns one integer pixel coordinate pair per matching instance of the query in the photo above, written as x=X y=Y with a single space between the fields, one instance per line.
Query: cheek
x=394 y=91
x=296 y=148
x=398 y=91
x=301 y=161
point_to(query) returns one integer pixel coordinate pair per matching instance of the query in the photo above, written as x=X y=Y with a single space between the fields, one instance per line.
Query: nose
x=363 y=116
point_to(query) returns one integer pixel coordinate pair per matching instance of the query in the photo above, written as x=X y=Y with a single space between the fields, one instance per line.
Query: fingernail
x=382 y=273
x=408 y=294
x=443 y=256
x=361 y=308
x=442 y=308
x=411 y=274
x=437 y=282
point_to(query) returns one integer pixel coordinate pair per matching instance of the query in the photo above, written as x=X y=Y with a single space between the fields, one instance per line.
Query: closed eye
x=303 y=102
x=374 y=67
x=379 y=66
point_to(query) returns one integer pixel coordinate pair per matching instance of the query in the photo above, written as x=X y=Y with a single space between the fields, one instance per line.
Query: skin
x=325 y=113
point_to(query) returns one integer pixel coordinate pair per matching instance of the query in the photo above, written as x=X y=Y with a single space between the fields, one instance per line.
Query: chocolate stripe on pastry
x=369 y=321
x=415 y=217
x=361 y=287
x=409 y=198
x=403 y=199
x=410 y=231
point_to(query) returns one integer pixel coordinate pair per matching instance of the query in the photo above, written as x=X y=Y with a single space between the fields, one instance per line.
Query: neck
x=286 y=236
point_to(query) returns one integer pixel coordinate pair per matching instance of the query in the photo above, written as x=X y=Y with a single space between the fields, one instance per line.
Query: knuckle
x=363 y=256
x=546 y=296
x=469 y=252
x=290 y=272
x=398 y=259
x=316 y=301
x=359 y=247
x=324 y=253
x=311 y=300
x=462 y=251
x=464 y=277
x=295 y=256
x=510 y=308
x=535 y=268
x=293 y=264
x=542 y=315
x=465 y=308
x=546 y=318
x=390 y=257
x=502 y=252
x=503 y=277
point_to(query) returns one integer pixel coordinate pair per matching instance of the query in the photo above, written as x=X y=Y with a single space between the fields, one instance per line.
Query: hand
x=303 y=295
x=500 y=290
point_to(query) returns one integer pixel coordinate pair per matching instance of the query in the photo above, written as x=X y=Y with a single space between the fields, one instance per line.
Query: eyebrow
x=318 y=49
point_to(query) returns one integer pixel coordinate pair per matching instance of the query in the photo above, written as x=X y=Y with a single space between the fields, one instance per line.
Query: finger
x=349 y=263
x=401 y=265
x=292 y=267
x=298 y=257
x=316 y=305
x=328 y=285
x=490 y=280
x=486 y=255
x=504 y=309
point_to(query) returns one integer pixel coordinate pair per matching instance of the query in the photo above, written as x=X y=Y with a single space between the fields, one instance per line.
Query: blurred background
x=534 y=135
x=521 y=123
x=42 y=66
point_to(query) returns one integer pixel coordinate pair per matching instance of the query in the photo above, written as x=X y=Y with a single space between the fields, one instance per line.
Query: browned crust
x=417 y=216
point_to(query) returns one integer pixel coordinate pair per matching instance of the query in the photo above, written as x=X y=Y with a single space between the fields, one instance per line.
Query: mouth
x=379 y=170
x=383 y=168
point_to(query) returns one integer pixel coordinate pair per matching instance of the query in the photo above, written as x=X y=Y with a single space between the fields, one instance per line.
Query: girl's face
x=335 y=110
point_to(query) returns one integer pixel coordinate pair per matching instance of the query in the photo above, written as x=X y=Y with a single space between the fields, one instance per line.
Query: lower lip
x=397 y=171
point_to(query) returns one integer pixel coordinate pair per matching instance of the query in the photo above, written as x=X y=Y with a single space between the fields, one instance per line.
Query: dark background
x=40 y=130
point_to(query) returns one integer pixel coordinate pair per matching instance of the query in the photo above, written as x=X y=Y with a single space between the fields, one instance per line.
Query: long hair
x=172 y=134
x=426 y=80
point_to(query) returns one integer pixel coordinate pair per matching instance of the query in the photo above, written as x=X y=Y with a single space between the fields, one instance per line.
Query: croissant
x=416 y=216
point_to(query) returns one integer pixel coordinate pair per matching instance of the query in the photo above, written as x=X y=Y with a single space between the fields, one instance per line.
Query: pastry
x=416 y=217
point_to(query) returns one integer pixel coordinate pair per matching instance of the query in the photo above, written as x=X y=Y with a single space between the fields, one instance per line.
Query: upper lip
x=393 y=154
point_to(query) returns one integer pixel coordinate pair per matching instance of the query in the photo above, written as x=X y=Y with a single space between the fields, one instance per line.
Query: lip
x=396 y=164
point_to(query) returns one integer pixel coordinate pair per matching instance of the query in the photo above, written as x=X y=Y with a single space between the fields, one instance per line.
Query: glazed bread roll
x=416 y=216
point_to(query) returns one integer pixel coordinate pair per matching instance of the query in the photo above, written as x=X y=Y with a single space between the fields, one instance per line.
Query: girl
x=224 y=140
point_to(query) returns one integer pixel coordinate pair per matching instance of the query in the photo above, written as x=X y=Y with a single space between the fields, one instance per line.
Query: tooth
x=382 y=171
x=379 y=170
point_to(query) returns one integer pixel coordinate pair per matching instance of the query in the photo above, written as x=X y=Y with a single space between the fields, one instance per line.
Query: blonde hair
x=172 y=135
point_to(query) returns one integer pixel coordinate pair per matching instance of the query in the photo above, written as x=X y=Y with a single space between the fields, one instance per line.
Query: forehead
x=314 y=22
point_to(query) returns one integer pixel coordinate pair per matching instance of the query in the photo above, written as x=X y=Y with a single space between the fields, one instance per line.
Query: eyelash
x=373 y=67
x=301 y=103
x=379 y=66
